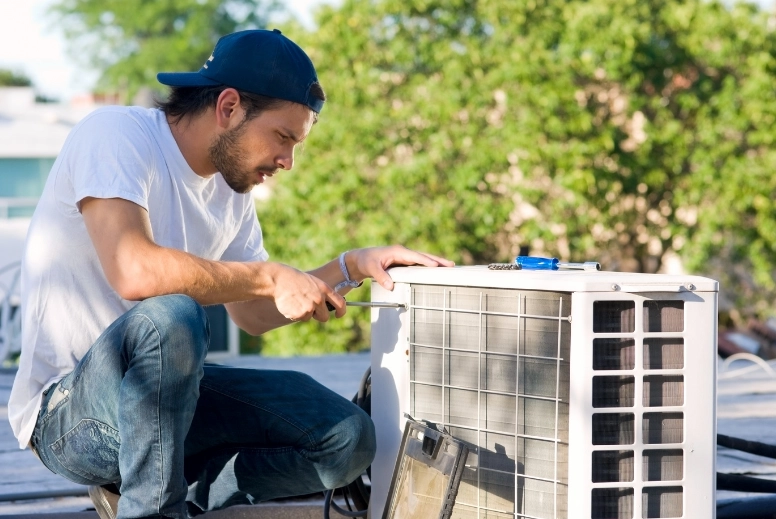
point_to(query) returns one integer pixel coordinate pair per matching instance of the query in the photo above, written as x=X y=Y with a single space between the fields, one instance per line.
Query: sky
x=31 y=44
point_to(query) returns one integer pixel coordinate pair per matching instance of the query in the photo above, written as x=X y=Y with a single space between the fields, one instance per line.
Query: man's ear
x=229 y=112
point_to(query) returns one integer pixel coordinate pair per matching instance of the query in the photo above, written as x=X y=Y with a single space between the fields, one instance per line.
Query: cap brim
x=185 y=79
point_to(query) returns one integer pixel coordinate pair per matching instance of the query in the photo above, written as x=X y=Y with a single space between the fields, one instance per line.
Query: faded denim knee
x=179 y=319
x=357 y=439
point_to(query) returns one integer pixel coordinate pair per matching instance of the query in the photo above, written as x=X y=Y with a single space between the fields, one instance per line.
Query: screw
x=615 y=287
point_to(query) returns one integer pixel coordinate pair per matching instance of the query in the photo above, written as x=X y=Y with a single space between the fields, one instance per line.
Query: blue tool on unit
x=538 y=263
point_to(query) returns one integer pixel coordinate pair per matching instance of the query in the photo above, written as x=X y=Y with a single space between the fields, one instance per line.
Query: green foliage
x=626 y=131
x=9 y=78
x=130 y=41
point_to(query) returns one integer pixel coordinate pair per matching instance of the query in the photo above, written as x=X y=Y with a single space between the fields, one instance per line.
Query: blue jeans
x=142 y=410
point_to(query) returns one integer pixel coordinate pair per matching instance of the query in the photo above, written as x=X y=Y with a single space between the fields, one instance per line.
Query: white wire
x=759 y=364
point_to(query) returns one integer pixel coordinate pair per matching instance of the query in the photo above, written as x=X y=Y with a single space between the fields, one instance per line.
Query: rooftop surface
x=746 y=395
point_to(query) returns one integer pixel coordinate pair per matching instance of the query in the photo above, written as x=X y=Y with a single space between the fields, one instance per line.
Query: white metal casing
x=391 y=375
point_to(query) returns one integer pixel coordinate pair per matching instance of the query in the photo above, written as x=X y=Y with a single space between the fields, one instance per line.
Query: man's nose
x=285 y=160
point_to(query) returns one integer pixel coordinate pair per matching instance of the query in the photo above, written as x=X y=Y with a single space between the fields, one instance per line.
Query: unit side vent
x=633 y=361
x=491 y=366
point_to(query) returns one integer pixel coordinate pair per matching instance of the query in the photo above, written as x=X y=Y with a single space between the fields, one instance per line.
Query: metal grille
x=491 y=367
x=659 y=388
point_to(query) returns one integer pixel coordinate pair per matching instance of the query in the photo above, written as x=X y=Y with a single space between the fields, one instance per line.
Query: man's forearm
x=168 y=271
x=137 y=268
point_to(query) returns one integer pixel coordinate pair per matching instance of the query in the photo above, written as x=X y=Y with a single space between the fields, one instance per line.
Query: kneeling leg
x=265 y=434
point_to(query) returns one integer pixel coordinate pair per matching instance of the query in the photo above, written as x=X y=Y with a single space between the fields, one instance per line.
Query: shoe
x=106 y=500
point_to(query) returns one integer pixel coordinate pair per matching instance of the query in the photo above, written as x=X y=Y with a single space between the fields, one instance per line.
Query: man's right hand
x=300 y=296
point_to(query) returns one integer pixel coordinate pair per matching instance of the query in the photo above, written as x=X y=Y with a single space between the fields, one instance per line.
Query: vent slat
x=663 y=428
x=663 y=465
x=663 y=316
x=612 y=503
x=662 y=502
x=614 y=317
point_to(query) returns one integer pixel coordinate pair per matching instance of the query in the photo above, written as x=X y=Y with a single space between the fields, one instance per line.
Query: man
x=154 y=206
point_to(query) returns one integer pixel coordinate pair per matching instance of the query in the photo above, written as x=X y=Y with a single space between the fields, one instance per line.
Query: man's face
x=253 y=150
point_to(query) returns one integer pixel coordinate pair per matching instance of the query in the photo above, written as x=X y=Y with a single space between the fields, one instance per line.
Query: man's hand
x=374 y=261
x=300 y=296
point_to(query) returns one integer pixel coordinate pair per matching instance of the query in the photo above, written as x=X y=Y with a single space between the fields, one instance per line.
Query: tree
x=9 y=78
x=627 y=131
x=130 y=41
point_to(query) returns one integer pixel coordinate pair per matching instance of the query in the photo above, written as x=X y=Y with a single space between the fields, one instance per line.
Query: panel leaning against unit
x=568 y=387
x=427 y=474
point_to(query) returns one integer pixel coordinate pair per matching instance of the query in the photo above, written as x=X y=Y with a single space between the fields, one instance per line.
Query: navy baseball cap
x=257 y=61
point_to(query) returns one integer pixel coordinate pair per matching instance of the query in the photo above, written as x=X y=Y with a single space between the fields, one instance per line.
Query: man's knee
x=358 y=444
x=364 y=443
x=181 y=323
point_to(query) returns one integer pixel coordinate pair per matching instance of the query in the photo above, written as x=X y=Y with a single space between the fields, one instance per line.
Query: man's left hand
x=374 y=261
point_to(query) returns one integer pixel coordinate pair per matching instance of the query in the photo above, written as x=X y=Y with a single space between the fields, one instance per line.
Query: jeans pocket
x=91 y=450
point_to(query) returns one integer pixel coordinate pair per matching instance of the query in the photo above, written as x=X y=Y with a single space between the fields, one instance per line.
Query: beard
x=229 y=159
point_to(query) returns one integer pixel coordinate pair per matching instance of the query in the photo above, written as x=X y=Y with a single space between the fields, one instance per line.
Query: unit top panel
x=556 y=280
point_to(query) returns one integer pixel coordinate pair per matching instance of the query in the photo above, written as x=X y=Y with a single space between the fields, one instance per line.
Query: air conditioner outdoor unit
x=580 y=394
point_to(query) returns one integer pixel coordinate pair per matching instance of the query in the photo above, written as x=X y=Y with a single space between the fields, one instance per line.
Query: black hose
x=362 y=388
x=329 y=503
x=750 y=508
x=741 y=483
x=359 y=494
x=760 y=449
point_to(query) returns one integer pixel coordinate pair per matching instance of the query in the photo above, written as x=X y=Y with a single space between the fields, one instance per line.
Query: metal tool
x=376 y=304
x=504 y=266
x=538 y=263
x=369 y=305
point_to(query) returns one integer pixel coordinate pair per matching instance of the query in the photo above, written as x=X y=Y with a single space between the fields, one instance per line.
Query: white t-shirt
x=115 y=152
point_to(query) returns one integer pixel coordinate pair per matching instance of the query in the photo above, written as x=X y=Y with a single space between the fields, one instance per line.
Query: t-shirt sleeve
x=248 y=244
x=110 y=156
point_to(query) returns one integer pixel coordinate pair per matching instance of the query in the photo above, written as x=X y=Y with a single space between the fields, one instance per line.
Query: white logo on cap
x=209 y=59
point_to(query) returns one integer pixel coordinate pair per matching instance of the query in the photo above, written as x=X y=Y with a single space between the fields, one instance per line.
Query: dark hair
x=191 y=101
x=316 y=90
